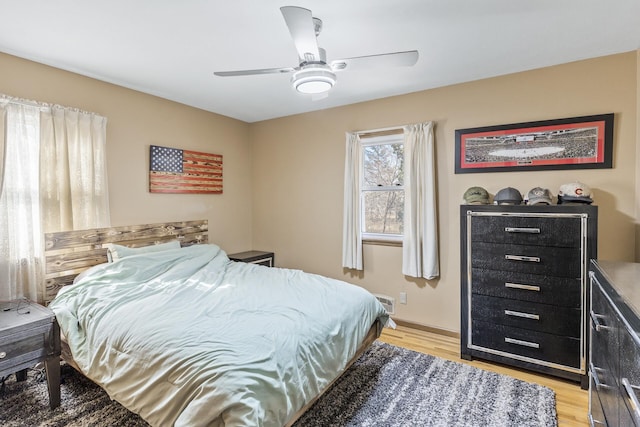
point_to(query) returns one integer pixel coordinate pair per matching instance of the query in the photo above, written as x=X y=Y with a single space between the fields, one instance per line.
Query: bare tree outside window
x=383 y=188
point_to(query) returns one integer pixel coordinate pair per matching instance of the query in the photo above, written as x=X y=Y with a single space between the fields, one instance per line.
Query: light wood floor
x=572 y=403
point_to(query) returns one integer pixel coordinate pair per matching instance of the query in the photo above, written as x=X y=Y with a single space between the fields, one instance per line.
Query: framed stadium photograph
x=573 y=143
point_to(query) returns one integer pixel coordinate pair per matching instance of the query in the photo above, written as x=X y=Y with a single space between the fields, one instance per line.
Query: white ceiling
x=170 y=48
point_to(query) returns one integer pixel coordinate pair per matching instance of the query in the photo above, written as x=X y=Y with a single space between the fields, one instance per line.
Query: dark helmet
x=508 y=196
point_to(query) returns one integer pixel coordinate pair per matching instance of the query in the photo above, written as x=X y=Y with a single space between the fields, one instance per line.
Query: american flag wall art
x=172 y=170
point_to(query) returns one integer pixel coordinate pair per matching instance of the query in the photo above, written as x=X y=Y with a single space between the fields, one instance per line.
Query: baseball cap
x=538 y=196
x=476 y=196
x=508 y=196
x=574 y=192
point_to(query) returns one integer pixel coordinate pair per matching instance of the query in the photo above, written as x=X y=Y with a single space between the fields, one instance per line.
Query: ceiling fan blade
x=300 y=23
x=254 y=72
x=396 y=59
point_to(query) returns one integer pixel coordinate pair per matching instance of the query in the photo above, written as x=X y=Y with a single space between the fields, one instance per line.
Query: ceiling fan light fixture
x=313 y=79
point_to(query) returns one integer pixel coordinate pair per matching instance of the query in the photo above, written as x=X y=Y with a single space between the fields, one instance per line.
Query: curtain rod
x=40 y=105
x=380 y=130
x=23 y=102
x=398 y=128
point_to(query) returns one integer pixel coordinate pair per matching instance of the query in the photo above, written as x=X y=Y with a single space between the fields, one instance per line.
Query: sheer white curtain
x=420 y=243
x=54 y=180
x=20 y=230
x=74 y=193
x=3 y=115
x=351 y=238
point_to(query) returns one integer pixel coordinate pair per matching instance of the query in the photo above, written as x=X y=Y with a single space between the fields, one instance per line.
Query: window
x=382 y=188
x=380 y=206
x=53 y=176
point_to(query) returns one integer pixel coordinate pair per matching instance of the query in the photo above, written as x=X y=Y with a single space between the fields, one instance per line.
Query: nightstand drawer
x=29 y=334
x=25 y=347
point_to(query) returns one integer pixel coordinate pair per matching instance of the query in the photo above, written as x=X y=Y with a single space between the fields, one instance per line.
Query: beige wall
x=135 y=121
x=283 y=179
x=299 y=164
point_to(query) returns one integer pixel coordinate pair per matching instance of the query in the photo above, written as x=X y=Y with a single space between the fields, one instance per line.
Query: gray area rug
x=388 y=386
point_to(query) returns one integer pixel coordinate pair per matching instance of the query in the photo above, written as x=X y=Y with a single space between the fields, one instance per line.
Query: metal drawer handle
x=522 y=230
x=522 y=258
x=522 y=343
x=596 y=378
x=629 y=389
x=523 y=287
x=3 y=354
x=593 y=422
x=596 y=320
x=521 y=314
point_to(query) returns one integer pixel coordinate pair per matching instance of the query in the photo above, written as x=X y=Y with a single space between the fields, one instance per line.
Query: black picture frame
x=584 y=142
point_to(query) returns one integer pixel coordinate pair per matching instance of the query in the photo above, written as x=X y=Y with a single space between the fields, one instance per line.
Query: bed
x=176 y=332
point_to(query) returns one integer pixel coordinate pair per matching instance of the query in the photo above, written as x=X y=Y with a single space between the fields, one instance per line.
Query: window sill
x=382 y=242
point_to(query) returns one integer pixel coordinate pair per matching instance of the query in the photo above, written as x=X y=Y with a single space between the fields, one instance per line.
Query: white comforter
x=185 y=337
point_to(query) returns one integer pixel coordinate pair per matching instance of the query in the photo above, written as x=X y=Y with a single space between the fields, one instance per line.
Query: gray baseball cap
x=508 y=196
x=539 y=196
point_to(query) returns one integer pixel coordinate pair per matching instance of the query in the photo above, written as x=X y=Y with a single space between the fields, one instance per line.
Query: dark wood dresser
x=524 y=286
x=614 y=368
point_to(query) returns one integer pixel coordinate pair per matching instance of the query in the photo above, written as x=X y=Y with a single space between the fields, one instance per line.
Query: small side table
x=254 y=257
x=30 y=334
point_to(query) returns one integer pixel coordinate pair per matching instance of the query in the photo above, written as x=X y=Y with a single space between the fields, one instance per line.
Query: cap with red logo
x=574 y=192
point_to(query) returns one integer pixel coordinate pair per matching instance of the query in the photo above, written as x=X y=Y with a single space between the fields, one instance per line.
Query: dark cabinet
x=614 y=349
x=524 y=286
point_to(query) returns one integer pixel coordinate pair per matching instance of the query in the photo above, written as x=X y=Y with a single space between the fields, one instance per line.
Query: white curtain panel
x=21 y=239
x=55 y=179
x=3 y=121
x=420 y=243
x=74 y=193
x=351 y=238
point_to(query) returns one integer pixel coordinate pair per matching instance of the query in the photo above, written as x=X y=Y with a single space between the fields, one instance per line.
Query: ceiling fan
x=314 y=74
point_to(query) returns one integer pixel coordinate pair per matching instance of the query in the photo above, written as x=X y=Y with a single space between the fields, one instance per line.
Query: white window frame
x=377 y=237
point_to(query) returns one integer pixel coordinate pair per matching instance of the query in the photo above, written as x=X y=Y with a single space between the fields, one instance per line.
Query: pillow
x=116 y=252
x=84 y=273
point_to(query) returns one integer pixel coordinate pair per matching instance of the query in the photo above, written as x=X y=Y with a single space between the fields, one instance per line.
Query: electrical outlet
x=403 y=297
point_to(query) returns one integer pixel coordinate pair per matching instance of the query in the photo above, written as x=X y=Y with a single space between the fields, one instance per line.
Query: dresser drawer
x=603 y=399
x=526 y=343
x=630 y=374
x=527 y=315
x=525 y=230
x=604 y=329
x=561 y=291
x=553 y=261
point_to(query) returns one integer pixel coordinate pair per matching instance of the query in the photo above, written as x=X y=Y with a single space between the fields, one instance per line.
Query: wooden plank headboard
x=69 y=253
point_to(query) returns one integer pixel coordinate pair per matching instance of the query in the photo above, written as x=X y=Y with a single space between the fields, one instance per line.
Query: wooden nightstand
x=30 y=334
x=254 y=257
